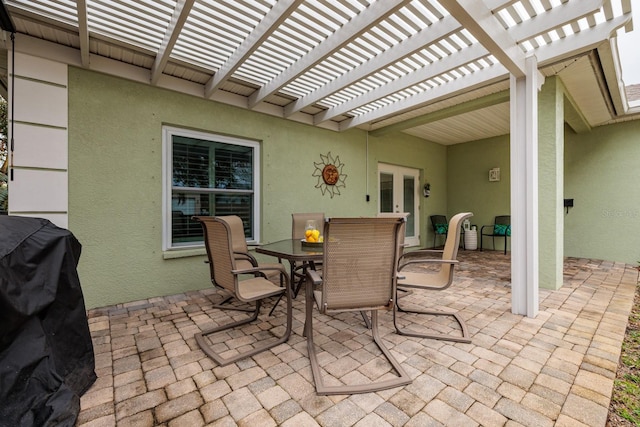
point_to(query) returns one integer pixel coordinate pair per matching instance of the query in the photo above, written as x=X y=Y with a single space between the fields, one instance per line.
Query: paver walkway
x=556 y=369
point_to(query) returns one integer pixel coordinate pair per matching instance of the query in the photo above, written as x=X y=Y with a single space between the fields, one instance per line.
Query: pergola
x=447 y=71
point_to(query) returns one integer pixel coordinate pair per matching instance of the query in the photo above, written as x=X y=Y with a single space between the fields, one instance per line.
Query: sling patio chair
x=244 y=259
x=219 y=343
x=442 y=278
x=358 y=274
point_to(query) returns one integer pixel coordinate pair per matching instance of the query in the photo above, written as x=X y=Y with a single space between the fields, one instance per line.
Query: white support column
x=524 y=190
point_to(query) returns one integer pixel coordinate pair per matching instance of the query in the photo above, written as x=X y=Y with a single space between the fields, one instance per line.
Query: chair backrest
x=360 y=256
x=237 y=233
x=439 y=224
x=450 y=250
x=503 y=220
x=403 y=227
x=219 y=241
x=299 y=222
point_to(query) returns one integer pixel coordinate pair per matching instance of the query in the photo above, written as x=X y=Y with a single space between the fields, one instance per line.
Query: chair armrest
x=428 y=261
x=263 y=268
x=314 y=277
x=246 y=256
x=485 y=226
x=421 y=253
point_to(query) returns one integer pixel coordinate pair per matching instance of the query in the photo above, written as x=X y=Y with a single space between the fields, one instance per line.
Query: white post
x=524 y=191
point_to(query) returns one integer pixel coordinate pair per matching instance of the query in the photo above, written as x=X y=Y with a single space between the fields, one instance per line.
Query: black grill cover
x=46 y=353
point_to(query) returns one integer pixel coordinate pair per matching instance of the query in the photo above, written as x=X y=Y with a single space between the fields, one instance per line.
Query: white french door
x=399 y=192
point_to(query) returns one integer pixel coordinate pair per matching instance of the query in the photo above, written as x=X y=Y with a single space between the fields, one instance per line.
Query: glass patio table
x=293 y=251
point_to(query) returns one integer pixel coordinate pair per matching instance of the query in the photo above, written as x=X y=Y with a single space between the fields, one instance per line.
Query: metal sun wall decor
x=329 y=174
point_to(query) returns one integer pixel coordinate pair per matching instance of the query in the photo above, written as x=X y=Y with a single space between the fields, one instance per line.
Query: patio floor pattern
x=555 y=369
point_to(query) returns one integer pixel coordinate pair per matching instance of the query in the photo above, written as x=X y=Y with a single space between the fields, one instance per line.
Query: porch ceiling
x=435 y=69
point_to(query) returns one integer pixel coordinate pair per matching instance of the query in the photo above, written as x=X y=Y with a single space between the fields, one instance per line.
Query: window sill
x=183 y=253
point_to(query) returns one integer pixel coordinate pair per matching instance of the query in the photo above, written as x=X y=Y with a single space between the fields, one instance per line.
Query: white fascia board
x=610 y=61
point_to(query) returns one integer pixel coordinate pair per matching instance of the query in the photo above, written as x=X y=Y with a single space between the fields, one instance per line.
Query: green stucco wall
x=115 y=173
x=551 y=183
x=469 y=188
x=602 y=175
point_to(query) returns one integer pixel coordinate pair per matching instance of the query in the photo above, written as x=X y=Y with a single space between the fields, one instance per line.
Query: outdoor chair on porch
x=244 y=259
x=224 y=266
x=358 y=274
x=500 y=228
x=438 y=280
x=440 y=227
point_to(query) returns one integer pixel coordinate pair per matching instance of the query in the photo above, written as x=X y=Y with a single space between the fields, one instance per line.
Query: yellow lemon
x=315 y=234
x=308 y=233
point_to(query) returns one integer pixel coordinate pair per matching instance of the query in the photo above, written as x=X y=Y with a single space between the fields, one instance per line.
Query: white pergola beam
x=276 y=16
x=485 y=27
x=556 y=17
x=416 y=42
x=488 y=76
x=179 y=17
x=576 y=44
x=344 y=35
x=582 y=42
x=451 y=62
x=83 y=32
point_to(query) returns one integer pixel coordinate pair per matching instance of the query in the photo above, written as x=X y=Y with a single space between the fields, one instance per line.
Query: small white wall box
x=494 y=174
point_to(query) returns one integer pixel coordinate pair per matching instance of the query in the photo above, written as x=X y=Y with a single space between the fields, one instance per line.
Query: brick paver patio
x=556 y=369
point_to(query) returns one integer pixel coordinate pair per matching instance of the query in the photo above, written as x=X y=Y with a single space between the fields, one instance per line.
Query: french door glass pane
x=386 y=192
x=409 y=204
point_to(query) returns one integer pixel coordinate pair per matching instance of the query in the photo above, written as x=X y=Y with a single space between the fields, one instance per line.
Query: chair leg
x=225 y=299
x=222 y=361
x=292 y=266
x=465 y=338
x=402 y=379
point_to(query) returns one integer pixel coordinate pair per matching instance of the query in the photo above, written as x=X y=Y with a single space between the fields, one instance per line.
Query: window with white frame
x=207 y=175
